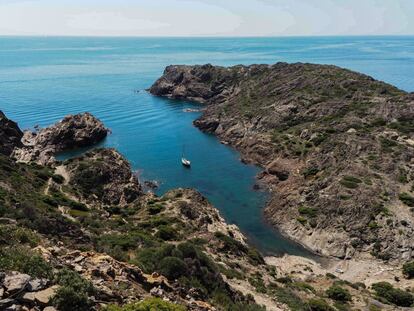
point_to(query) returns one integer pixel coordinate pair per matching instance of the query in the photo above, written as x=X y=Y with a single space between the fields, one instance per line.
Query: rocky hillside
x=10 y=135
x=336 y=146
x=82 y=235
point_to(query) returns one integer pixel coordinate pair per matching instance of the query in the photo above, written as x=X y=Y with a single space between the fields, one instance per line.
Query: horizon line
x=203 y=36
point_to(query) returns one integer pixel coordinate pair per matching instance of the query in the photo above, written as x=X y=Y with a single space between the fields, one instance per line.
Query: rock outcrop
x=336 y=147
x=10 y=135
x=74 y=131
x=103 y=176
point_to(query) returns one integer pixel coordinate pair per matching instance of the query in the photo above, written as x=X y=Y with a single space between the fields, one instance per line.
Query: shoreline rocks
x=73 y=131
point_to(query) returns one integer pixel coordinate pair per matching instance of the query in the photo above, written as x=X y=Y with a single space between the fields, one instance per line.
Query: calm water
x=43 y=79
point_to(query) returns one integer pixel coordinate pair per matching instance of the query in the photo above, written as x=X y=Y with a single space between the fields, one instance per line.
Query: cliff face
x=10 y=135
x=336 y=147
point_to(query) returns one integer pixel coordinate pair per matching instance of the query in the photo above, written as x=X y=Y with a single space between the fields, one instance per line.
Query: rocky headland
x=336 y=147
x=73 y=131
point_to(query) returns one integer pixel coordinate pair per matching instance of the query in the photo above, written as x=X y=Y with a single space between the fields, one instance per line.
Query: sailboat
x=184 y=161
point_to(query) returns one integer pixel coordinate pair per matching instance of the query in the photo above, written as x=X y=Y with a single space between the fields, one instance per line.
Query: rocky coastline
x=336 y=147
x=82 y=234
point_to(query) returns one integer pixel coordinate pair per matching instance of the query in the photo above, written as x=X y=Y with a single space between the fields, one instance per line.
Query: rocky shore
x=73 y=131
x=336 y=146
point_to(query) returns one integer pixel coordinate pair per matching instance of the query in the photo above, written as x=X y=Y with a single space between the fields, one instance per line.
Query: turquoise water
x=43 y=79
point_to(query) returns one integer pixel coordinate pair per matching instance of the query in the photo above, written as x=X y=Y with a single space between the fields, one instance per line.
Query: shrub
x=166 y=233
x=288 y=297
x=58 y=178
x=350 y=182
x=407 y=199
x=24 y=260
x=155 y=209
x=388 y=294
x=308 y=211
x=231 y=245
x=73 y=293
x=172 y=267
x=408 y=270
x=319 y=305
x=310 y=171
x=150 y=304
x=338 y=293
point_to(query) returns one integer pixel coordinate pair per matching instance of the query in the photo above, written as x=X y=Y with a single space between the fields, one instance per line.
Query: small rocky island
x=336 y=149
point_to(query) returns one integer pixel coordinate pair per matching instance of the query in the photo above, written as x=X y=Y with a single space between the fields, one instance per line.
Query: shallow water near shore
x=43 y=79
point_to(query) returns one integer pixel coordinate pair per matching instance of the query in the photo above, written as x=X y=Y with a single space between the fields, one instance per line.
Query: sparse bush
x=73 y=293
x=310 y=171
x=150 y=304
x=319 y=305
x=407 y=199
x=408 y=270
x=167 y=233
x=350 y=182
x=24 y=260
x=338 y=293
x=172 y=267
x=388 y=294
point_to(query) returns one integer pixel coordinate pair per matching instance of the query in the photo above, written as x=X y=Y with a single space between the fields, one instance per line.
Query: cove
x=43 y=79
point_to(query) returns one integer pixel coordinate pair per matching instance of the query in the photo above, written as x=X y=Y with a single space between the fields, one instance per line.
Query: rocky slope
x=82 y=235
x=337 y=149
x=73 y=131
x=10 y=135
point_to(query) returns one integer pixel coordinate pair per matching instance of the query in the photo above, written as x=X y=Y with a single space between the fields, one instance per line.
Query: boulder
x=15 y=282
x=42 y=297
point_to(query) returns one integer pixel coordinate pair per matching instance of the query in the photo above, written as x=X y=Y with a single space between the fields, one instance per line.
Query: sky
x=206 y=17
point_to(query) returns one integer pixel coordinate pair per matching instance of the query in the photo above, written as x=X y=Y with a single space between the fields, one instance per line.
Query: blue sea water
x=43 y=79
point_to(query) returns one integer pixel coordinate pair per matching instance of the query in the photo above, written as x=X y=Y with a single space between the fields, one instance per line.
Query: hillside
x=336 y=147
x=82 y=235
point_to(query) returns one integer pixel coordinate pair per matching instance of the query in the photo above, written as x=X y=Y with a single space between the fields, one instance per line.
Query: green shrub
x=73 y=293
x=338 y=293
x=308 y=211
x=255 y=257
x=310 y=171
x=407 y=199
x=155 y=209
x=288 y=297
x=149 y=304
x=350 y=182
x=172 y=267
x=319 y=305
x=408 y=270
x=58 y=178
x=167 y=233
x=230 y=245
x=388 y=294
x=24 y=260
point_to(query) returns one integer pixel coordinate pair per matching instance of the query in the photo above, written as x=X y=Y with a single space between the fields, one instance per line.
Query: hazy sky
x=206 y=17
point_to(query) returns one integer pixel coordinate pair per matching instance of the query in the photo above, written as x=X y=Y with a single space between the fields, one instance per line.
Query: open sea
x=44 y=78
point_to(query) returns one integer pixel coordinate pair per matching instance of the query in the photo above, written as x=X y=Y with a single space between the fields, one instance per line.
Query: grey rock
x=4 y=303
x=16 y=282
x=37 y=284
